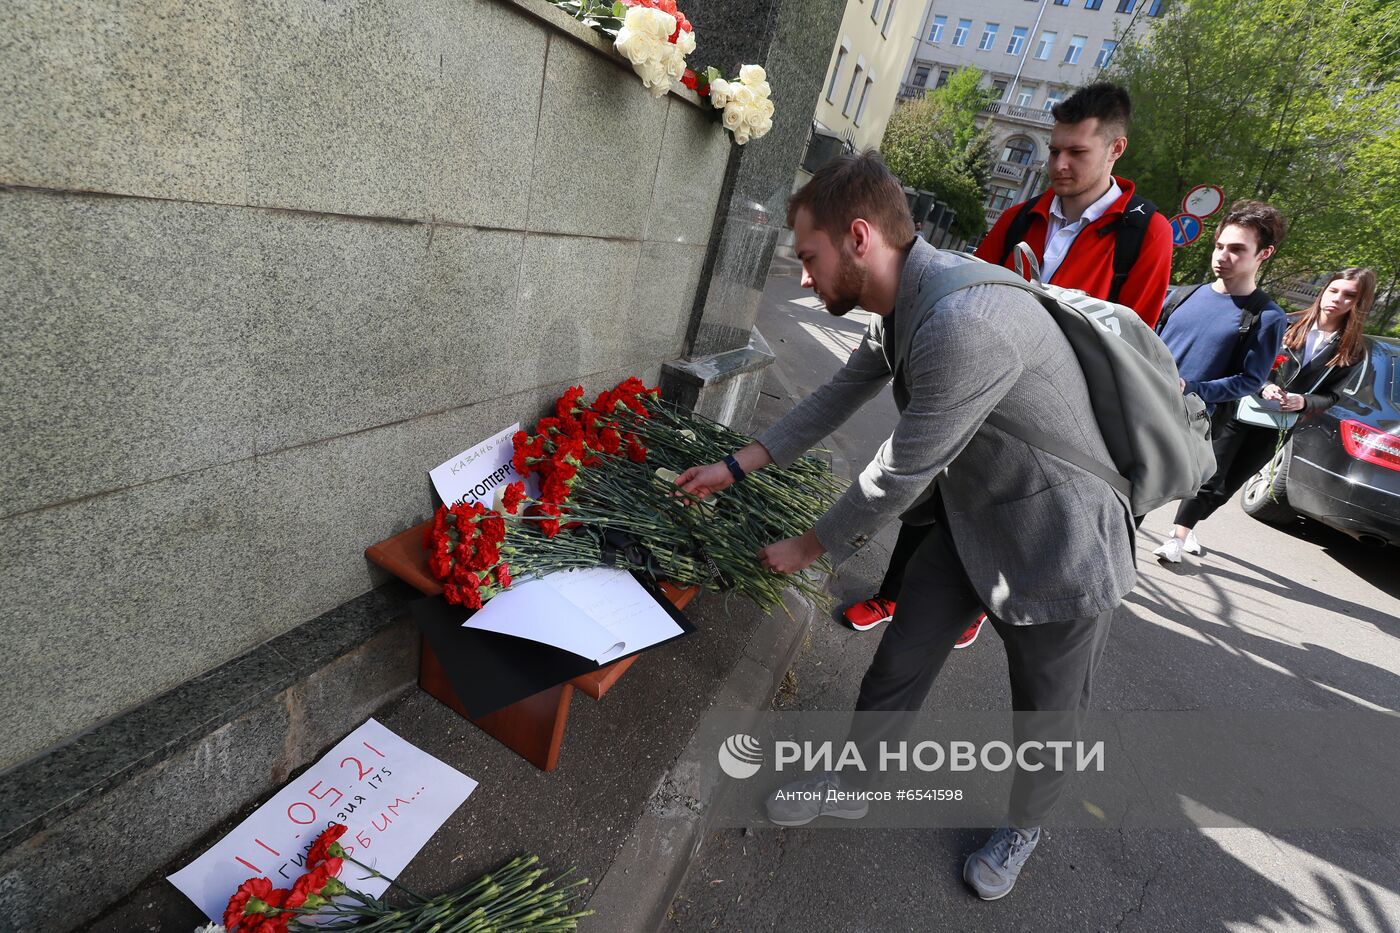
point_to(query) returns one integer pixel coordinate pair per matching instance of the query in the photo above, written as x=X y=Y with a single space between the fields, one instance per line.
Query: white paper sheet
x=480 y=473
x=390 y=794
x=598 y=613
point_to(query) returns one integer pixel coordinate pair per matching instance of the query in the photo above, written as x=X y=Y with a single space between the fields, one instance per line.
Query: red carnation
x=1280 y=360
x=326 y=846
x=635 y=451
x=689 y=79
x=515 y=494
x=471 y=599
x=260 y=888
x=564 y=407
x=503 y=576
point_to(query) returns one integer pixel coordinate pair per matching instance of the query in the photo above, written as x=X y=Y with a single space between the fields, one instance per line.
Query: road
x=1265 y=619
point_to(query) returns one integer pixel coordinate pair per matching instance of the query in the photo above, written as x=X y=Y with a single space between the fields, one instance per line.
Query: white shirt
x=1061 y=232
x=1317 y=342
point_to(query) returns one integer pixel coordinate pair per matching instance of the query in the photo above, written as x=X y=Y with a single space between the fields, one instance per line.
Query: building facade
x=1034 y=53
x=864 y=74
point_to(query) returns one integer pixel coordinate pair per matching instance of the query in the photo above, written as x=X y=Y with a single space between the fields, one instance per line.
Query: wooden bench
x=533 y=727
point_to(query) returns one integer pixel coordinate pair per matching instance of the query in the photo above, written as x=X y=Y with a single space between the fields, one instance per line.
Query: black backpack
x=1253 y=309
x=1130 y=230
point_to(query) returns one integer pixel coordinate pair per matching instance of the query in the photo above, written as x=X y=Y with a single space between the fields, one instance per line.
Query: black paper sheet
x=490 y=671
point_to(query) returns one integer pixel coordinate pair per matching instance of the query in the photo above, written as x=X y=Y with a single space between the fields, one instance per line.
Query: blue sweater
x=1203 y=337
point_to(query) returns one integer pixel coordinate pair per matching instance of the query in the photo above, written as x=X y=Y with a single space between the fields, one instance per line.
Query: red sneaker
x=868 y=614
x=968 y=637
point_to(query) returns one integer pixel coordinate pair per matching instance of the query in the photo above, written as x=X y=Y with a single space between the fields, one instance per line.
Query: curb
x=635 y=894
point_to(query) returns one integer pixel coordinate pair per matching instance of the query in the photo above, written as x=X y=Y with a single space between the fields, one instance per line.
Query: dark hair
x=1264 y=219
x=1108 y=102
x=1352 y=345
x=856 y=186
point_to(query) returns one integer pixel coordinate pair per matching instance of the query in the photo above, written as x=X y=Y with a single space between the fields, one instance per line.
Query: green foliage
x=1295 y=102
x=933 y=143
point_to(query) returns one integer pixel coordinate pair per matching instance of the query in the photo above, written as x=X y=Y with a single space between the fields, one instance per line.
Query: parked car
x=1342 y=466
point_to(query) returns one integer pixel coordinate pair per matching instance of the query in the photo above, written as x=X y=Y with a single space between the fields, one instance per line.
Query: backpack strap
x=1131 y=229
x=1056 y=447
x=1250 y=315
x=1174 y=301
x=1016 y=232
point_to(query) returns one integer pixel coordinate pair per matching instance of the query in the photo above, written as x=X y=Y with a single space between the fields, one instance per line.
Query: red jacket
x=1088 y=266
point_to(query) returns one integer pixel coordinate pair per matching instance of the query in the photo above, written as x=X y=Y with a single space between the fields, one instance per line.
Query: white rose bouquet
x=748 y=111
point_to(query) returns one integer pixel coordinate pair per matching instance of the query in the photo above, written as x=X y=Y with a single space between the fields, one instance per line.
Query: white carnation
x=752 y=74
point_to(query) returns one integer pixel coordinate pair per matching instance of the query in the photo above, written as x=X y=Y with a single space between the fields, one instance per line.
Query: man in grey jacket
x=1044 y=546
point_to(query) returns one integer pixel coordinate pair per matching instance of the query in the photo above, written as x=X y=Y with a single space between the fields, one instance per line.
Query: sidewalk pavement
x=624 y=808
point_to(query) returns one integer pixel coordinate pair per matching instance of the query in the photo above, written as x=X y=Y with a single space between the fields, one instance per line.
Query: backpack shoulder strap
x=1016 y=232
x=1132 y=228
x=1053 y=445
x=1178 y=297
x=1250 y=315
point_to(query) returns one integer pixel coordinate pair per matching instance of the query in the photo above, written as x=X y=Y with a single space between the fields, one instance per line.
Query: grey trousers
x=1051 y=668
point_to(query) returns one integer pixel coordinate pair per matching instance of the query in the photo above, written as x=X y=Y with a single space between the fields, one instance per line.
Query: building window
x=1061 y=2
x=875 y=11
x=921 y=76
x=1000 y=88
x=1092 y=4
x=1052 y=98
x=836 y=74
x=943 y=77
x=1018 y=151
x=960 y=34
x=935 y=34
x=989 y=37
x=1076 y=49
x=1046 y=46
x=1000 y=198
x=1105 y=53
x=864 y=95
x=851 y=90
x=1018 y=41
x=1126 y=6
x=1157 y=8
x=1025 y=96
x=889 y=14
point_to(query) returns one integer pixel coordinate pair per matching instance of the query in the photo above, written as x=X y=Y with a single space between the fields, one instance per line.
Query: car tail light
x=1371 y=444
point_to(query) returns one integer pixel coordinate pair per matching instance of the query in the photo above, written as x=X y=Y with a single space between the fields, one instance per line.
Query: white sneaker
x=1170 y=552
x=1191 y=545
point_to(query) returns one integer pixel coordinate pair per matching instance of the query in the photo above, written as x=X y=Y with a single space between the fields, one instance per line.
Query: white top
x=1061 y=233
x=1317 y=342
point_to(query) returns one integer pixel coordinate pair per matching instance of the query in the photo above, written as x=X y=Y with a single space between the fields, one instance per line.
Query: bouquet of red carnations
x=507 y=900
x=607 y=475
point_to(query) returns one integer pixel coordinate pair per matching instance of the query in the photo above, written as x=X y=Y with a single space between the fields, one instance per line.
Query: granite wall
x=264 y=263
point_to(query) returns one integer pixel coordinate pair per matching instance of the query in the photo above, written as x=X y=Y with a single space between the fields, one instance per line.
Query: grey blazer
x=1041 y=539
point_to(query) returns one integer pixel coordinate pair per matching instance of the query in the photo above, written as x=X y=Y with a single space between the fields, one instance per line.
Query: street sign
x=1186 y=229
x=1203 y=200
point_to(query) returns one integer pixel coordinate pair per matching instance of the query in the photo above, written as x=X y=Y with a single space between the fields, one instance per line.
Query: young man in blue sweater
x=1224 y=338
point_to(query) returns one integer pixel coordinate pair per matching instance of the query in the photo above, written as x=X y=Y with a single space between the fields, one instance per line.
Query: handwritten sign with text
x=391 y=795
x=478 y=474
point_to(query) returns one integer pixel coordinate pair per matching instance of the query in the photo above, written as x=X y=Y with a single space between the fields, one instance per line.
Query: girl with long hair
x=1321 y=351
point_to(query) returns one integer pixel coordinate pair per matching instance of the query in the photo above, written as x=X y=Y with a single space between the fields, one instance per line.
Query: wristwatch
x=735 y=470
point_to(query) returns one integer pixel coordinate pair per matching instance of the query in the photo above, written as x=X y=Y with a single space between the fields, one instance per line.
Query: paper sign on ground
x=598 y=613
x=479 y=474
x=391 y=795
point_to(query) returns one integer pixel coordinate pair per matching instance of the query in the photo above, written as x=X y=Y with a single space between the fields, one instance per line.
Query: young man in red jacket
x=1090 y=231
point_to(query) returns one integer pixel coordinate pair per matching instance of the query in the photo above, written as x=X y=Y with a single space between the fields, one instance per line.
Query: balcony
x=912 y=91
x=1019 y=114
x=992 y=213
x=1011 y=171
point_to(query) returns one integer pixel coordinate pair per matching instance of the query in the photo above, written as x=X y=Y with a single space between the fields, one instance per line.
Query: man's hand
x=793 y=554
x=700 y=481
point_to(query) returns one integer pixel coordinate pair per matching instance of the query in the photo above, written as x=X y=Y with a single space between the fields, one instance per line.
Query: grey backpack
x=1159 y=439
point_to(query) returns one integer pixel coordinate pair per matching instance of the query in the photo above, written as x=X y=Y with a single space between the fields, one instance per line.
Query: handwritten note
x=480 y=473
x=391 y=795
x=598 y=613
